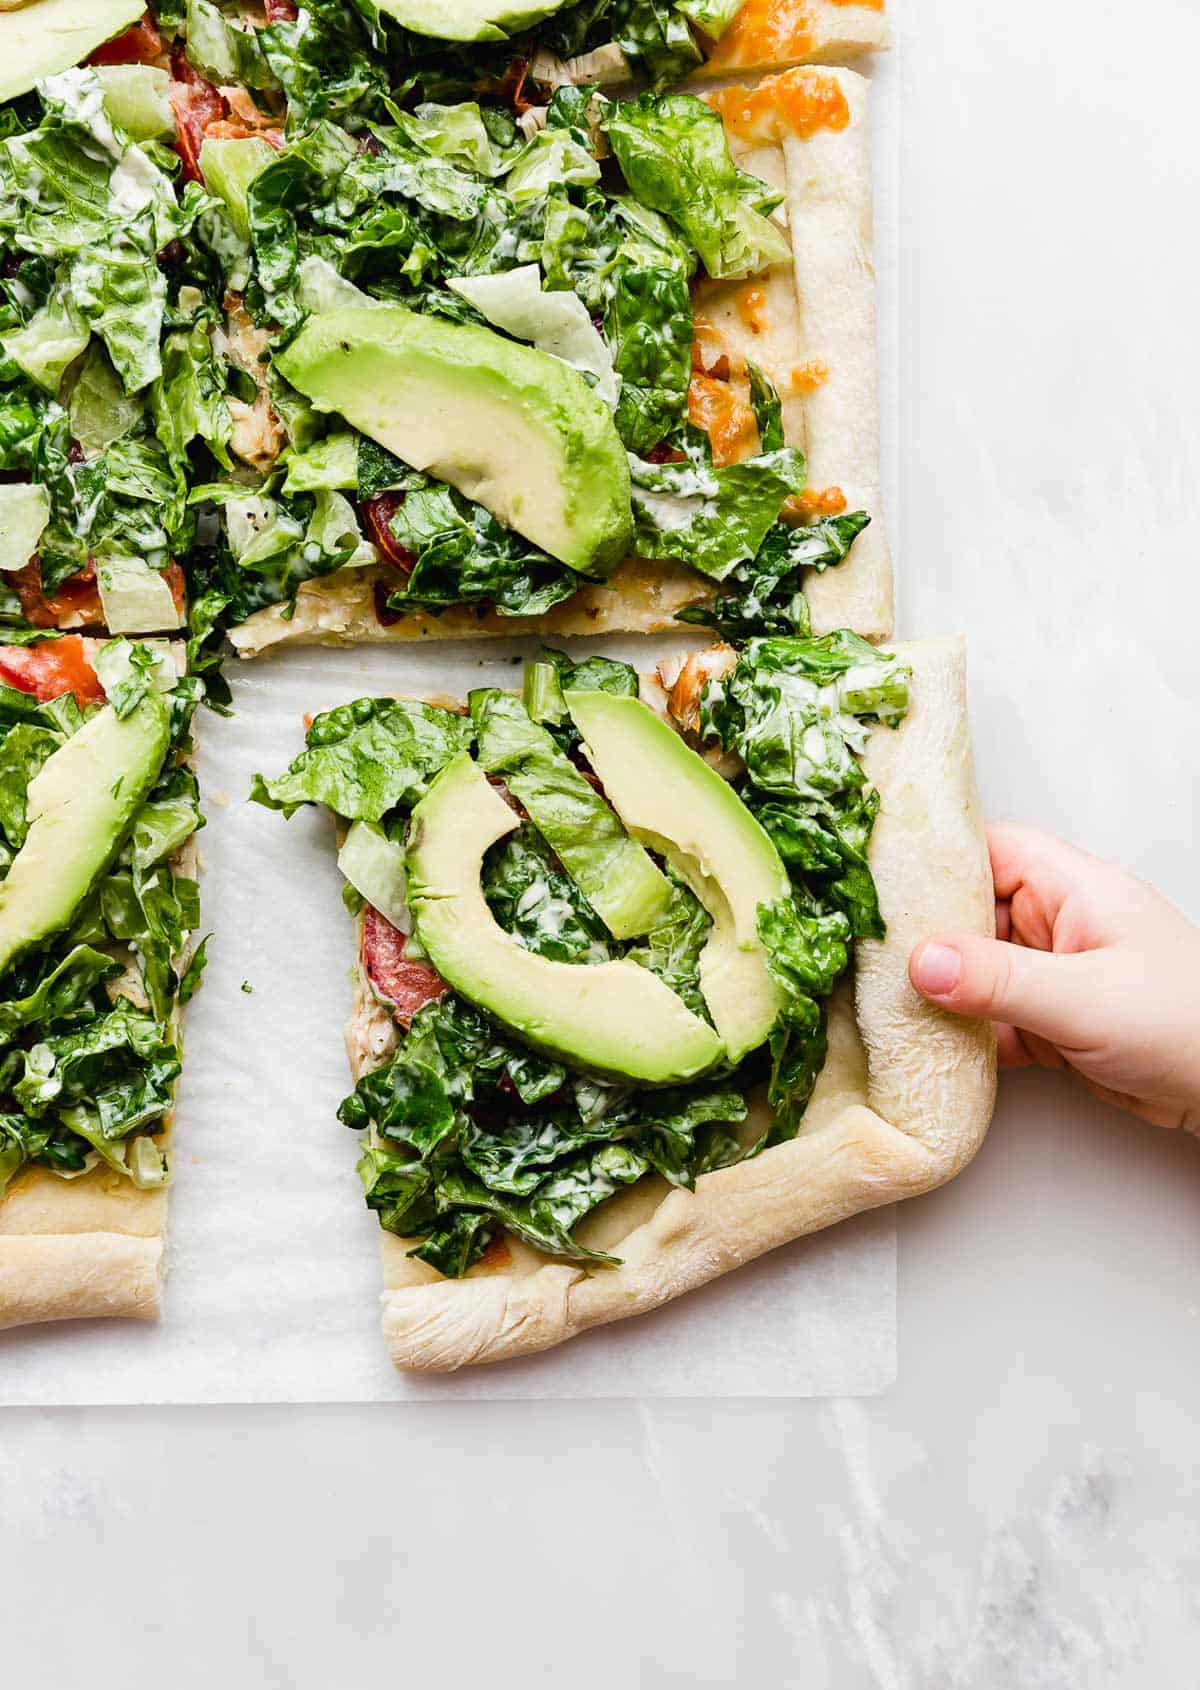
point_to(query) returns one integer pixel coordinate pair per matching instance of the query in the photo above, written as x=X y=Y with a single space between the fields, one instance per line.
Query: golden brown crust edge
x=80 y=1276
x=922 y=1112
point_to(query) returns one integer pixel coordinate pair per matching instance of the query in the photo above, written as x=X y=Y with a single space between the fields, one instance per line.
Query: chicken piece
x=258 y=435
x=684 y=680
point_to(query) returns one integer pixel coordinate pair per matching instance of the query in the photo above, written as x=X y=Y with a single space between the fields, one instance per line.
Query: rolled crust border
x=80 y=1275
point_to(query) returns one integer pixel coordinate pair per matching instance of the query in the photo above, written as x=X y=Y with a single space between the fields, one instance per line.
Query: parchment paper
x=274 y=1286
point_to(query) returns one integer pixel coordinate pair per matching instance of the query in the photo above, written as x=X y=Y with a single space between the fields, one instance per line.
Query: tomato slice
x=197 y=105
x=173 y=576
x=50 y=670
x=77 y=599
x=407 y=985
x=140 y=44
x=377 y=514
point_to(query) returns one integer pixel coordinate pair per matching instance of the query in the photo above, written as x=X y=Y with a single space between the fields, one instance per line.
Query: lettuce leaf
x=363 y=759
x=766 y=592
x=712 y=519
x=674 y=155
x=323 y=64
x=465 y=556
x=656 y=40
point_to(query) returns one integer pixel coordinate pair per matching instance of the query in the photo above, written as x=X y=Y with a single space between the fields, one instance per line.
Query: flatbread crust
x=817 y=313
x=74 y=1249
x=902 y=1104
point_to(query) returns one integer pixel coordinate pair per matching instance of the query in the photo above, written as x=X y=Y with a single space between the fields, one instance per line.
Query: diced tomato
x=173 y=576
x=75 y=600
x=281 y=11
x=140 y=44
x=197 y=105
x=408 y=986
x=52 y=669
x=377 y=513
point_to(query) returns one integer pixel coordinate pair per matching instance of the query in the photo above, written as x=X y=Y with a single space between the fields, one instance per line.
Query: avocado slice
x=80 y=804
x=671 y=800
x=516 y=430
x=614 y=1019
x=467 y=20
x=614 y=873
x=51 y=35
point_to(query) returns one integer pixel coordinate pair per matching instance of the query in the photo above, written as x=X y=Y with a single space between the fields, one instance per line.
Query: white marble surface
x=1020 y=1510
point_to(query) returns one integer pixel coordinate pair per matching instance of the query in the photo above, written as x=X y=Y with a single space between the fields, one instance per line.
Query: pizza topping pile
x=178 y=210
x=568 y=1015
x=97 y=909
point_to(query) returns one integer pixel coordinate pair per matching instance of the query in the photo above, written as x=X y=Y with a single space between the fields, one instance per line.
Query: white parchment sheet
x=274 y=1286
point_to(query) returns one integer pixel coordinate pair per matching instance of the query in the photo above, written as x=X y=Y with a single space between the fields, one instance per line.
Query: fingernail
x=938 y=969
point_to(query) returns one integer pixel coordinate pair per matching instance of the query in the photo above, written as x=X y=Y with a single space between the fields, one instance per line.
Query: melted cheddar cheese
x=803 y=100
x=806 y=378
x=727 y=419
x=816 y=502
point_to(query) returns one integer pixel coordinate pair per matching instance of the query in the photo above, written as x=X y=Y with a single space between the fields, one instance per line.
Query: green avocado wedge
x=627 y=890
x=514 y=429
x=467 y=20
x=615 y=1019
x=81 y=805
x=48 y=36
x=672 y=801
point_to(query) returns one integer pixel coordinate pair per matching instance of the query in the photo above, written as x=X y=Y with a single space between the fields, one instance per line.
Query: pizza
x=98 y=913
x=697 y=266
x=631 y=998
x=442 y=319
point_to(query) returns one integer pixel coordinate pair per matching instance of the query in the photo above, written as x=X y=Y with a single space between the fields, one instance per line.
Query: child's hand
x=1099 y=974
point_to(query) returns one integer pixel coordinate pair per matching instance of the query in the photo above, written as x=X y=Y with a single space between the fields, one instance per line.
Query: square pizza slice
x=98 y=915
x=709 y=282
x=631 y=1002
x=369 y=371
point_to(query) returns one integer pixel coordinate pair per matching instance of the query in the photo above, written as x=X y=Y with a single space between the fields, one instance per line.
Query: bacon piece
x=664 y=454
x=140 y=44
x=197 y=106
x=377 y=514
x=408 y=986
x=233 y=131
x=502 y=790
x=74 y=602
x=50 y=670
x=281 y=11
x=385 y=614
x=245 y=119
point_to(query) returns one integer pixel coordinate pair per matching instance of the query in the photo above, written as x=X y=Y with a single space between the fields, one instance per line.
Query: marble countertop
x=1020 y=1511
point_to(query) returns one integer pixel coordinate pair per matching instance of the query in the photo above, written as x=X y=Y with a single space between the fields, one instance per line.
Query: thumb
x=1035 y=990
